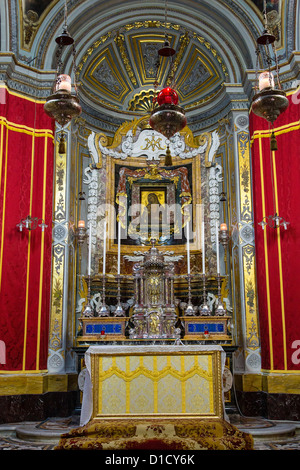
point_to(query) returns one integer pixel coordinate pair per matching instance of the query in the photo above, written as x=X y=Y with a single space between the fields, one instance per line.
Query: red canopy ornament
x=168 y=118
x=167 y=96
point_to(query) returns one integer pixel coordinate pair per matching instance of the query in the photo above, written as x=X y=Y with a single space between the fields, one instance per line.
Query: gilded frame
x=195 y=245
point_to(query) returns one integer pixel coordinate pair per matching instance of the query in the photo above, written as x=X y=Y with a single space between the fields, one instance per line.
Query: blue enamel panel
x=109 y=328
x=201 y=327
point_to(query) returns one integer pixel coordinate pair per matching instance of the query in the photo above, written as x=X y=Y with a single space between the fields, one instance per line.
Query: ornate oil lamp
x=168 y=118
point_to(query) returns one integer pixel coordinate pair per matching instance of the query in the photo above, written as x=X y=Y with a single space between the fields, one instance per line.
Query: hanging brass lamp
x=269 y=101
x=168 y=117
x=62 y=105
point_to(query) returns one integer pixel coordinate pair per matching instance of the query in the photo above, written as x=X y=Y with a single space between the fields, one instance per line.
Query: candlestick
x=81 y=223
x=119 y=312
x=189 y=309
x=204 y=308
x=219 y=310
x=103 y=312
x=217 y=247
x=104 y=248
x=88 y=310
x=119 y=248
x=203 y=249
x=188 y=248
x=90 y=250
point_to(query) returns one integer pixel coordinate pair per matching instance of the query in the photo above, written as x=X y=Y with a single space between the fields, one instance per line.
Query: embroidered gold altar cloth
x=153 y=381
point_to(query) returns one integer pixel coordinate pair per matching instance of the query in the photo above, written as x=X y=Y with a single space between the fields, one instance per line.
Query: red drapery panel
x=26 y=188
x=276 y=189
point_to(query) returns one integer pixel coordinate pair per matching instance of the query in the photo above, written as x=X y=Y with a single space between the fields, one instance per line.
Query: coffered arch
x=117 y=43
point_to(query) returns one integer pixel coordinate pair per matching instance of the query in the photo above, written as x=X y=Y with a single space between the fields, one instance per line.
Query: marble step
x=48 y=432
x=271 y=430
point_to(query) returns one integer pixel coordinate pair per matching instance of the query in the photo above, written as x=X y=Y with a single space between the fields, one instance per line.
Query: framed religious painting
x=153 y=202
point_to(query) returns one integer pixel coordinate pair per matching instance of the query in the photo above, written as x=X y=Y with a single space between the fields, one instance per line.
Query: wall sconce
x=224 y=235
x=81 y=232
x=31 y=223
x=273 y=221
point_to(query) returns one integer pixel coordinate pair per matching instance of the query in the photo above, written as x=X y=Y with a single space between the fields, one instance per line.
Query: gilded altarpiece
x=129 y=170
x=102 y=182
x=169 y=189
x=125 y=177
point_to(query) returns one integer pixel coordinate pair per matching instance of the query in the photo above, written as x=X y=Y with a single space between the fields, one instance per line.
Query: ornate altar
x=148 y=272
x=154 y=312
x=164 y=291
x=153 y=381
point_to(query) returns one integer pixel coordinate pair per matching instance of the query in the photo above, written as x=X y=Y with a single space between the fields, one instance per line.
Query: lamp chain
x=265 y=15
x=166 y=13
x=66 y=13
x=171 y=75
x=277 y=66
x=75 y=69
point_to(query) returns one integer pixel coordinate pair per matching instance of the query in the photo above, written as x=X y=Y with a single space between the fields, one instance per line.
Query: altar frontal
x=153 y=381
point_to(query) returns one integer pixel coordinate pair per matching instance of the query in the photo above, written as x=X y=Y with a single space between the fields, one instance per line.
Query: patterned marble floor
x=268 y=435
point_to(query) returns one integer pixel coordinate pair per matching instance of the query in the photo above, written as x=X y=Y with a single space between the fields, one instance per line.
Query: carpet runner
x=154 y=434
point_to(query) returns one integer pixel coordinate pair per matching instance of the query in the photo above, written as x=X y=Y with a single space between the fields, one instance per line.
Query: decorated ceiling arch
x=117 y=43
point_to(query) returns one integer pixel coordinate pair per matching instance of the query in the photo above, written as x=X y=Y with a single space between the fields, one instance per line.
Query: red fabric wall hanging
x=26 y=188
x=278 y=250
